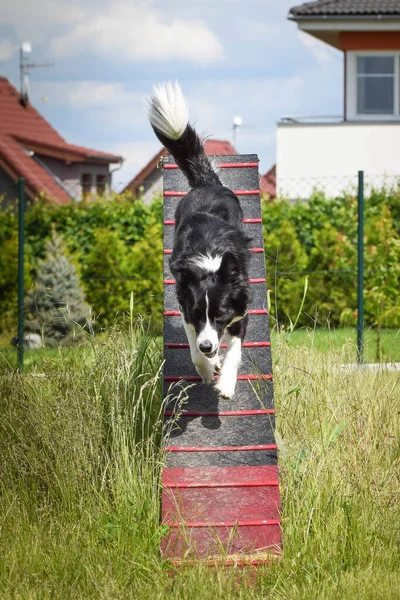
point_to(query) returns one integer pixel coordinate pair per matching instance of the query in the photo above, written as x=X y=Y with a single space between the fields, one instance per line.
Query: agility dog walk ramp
x=220 y=494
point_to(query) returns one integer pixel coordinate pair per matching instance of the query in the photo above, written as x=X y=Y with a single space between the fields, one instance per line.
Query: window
x=101 y=182
x=86 y=182
x=375 y=85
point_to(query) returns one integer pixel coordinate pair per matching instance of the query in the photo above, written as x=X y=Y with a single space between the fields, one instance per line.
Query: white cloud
x=95 y=94
x=137 y=31
x=7 y=49
x=31 y=18
x=136 y=156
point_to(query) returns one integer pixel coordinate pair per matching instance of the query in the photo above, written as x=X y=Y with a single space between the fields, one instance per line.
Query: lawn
x=80 y=463
x=344 y=343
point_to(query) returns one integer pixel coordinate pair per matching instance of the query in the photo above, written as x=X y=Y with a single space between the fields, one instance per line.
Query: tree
x=382 y=260
x=108 y=275
x=285 y=263
x=56 y=306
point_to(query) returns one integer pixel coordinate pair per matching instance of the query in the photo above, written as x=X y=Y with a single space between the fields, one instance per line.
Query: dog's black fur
x=209 y=221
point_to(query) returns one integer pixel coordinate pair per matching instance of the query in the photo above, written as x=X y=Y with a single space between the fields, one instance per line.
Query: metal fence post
x=21 y=290
x=360 y=269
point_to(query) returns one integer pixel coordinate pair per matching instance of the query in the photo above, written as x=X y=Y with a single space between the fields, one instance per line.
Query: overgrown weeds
x=80 y=463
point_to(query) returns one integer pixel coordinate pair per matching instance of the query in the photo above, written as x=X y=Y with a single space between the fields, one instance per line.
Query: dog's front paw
x=217 y=365
x=226 y=384
x=206 y=373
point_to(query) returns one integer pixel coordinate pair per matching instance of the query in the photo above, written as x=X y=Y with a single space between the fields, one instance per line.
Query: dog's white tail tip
x=167 y=110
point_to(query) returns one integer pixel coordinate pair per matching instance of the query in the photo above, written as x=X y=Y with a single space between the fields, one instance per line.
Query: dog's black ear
x=181 y=269
x=230 y=267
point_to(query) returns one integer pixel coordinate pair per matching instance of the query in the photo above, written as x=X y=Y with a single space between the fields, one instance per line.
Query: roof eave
x=108 y=159
x=359 y=17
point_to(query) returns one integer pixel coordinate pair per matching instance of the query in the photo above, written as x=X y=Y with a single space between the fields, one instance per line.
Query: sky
x=232 y=58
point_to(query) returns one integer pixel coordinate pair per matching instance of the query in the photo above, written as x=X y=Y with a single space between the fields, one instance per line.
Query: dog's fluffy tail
x=169 y=116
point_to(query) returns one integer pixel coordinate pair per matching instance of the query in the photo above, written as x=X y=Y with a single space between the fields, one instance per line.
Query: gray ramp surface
x=219 y=442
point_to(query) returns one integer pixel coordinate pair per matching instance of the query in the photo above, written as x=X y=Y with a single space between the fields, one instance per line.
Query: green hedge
x=317 y=240
x=116 y=245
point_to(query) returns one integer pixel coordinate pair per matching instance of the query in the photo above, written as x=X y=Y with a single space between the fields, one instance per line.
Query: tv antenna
x=24 y=68
x=237 y=122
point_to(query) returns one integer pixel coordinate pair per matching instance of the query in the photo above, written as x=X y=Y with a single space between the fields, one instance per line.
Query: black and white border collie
x=211 y=251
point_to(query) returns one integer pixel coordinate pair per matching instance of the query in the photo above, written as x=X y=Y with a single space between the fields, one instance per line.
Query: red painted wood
x=257 y=311
x=221 y=507
x=237 y=192
x=255 y=280
x=218 y=476
x=221 y=413
x=234 y=523
x=264 y=447
x=254 y=250
x=236 y=560
x=260 y=377
x=246 y=221
x=223 y=345
x=204 y=542
x=221 y=165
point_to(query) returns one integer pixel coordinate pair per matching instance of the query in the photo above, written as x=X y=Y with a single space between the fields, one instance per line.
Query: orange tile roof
x=268 y=183
x=211 y=147
x=22 y=128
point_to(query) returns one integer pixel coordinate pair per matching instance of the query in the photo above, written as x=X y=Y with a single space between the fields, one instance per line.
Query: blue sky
x=232 y=57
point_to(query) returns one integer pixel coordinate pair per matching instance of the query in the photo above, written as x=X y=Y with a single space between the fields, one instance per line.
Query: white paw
x=207 y=367
x=206 y=372
x=216 y=362
x=226 y=384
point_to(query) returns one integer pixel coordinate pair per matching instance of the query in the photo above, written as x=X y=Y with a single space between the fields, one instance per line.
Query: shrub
x=56 y=305
x=108 y=275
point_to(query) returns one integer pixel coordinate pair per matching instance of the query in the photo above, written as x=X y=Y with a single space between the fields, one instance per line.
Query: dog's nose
x=205 y=347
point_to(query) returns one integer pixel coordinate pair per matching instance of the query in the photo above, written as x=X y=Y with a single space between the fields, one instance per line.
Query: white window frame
x=351 y=86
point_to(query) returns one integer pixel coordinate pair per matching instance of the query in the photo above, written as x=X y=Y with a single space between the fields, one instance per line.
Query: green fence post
x=360 y=269
x=21 y=291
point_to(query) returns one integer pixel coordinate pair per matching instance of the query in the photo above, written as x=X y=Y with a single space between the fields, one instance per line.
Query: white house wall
x=329 y=156
x=70 y=174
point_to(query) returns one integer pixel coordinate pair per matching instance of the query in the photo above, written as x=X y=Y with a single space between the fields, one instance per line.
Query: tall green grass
x=80 y=465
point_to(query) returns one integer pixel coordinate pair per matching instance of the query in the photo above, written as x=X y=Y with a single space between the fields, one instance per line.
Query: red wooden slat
x=245 y=221
x=244 y=345
x=247 y=523
x=218 y=476
x=253 y=250
x=257 y=311
x=237 y=165
x=243 y=484
x=198 y=378
x=222 y=413
x=237 y=192
x=255 y=280
x=238 y=560
x=220 y=448
x=203 y=543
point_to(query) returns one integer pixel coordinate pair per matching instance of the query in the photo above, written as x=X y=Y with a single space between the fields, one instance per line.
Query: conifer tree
x=56 y=305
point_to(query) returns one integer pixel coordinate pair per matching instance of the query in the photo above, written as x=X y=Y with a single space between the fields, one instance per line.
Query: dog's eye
x=197 y=315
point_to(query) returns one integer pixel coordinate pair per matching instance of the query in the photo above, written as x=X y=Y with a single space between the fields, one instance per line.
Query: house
x=328 y=152
x=32 y=149
x=148 y=182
